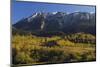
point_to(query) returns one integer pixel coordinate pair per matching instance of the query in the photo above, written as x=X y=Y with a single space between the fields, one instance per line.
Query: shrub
x=28 y=50
x=23 y=58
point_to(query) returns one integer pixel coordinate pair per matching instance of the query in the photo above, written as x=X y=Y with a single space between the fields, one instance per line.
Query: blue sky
x=24 y=9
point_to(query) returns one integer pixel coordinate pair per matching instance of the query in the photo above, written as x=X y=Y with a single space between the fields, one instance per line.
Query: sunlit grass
x=33 y=50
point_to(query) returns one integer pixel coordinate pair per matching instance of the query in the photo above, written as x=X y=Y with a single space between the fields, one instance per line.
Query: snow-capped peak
x=33 y=16
x=54 y=12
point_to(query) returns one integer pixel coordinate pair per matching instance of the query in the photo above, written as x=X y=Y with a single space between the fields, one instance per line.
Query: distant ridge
x=58 y=22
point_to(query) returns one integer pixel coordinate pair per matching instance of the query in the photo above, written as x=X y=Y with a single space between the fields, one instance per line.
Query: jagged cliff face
x=59 y=21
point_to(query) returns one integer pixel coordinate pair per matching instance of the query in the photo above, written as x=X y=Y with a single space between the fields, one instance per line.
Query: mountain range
x=58 y=22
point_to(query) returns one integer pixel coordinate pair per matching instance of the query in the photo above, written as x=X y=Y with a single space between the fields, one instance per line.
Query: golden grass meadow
x=29 y=49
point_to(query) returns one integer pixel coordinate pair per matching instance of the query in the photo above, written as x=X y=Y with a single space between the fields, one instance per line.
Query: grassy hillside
x=29 y=49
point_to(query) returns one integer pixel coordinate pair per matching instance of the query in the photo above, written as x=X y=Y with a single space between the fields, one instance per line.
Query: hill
x=58 y=22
